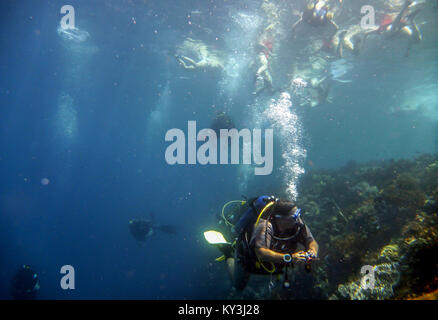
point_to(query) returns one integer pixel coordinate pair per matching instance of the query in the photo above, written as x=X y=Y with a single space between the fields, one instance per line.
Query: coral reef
x=363 y=189
x=390 y=252
x=382 y=214
x=404 y=192
x=386 y=276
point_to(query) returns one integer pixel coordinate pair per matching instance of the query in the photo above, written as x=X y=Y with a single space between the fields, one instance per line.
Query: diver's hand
x=299 y=256
x=311 y=254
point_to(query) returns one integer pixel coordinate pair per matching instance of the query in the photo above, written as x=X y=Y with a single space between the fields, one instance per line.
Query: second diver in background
x=142 y=229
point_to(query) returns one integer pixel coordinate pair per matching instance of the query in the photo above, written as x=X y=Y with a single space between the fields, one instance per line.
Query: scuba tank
x=250 y=216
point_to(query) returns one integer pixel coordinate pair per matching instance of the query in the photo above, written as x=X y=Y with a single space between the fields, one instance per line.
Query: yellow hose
x=228 y=223
x=263 y=211
x=255 y=225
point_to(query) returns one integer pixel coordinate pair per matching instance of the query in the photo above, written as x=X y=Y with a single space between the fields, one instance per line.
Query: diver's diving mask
x=294 y=216
x=289 y=227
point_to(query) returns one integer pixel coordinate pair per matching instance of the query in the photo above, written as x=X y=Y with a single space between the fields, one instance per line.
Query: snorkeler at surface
x=403 y=24
x=269 y=235
x=208 y=59
x=142 y=229
x=205 y=62
x=351 y=39
x=317 y=13
x=263 y=78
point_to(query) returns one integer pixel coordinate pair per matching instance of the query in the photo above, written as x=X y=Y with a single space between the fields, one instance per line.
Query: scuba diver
x=222 y=121
x=263 y=78
x=25 y=284
x=142 y=229
x=316 y=13
x=266 y=235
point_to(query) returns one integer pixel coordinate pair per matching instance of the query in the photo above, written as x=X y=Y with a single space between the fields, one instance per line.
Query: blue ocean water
x=83 y=119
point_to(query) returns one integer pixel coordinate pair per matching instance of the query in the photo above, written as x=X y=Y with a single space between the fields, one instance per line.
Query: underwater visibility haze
x=108 y=180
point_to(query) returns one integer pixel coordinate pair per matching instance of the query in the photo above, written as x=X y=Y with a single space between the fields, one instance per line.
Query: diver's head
x=285 y=218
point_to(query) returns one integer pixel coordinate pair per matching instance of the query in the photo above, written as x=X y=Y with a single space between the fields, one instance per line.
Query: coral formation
x=390 y=252
x=404 y=192
x=389 y=220
x=363 y=189
x=386 y=276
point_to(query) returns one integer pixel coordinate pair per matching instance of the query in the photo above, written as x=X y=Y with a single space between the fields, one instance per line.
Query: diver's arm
x=309 y=241
x=268 y=255
x=313 y=246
